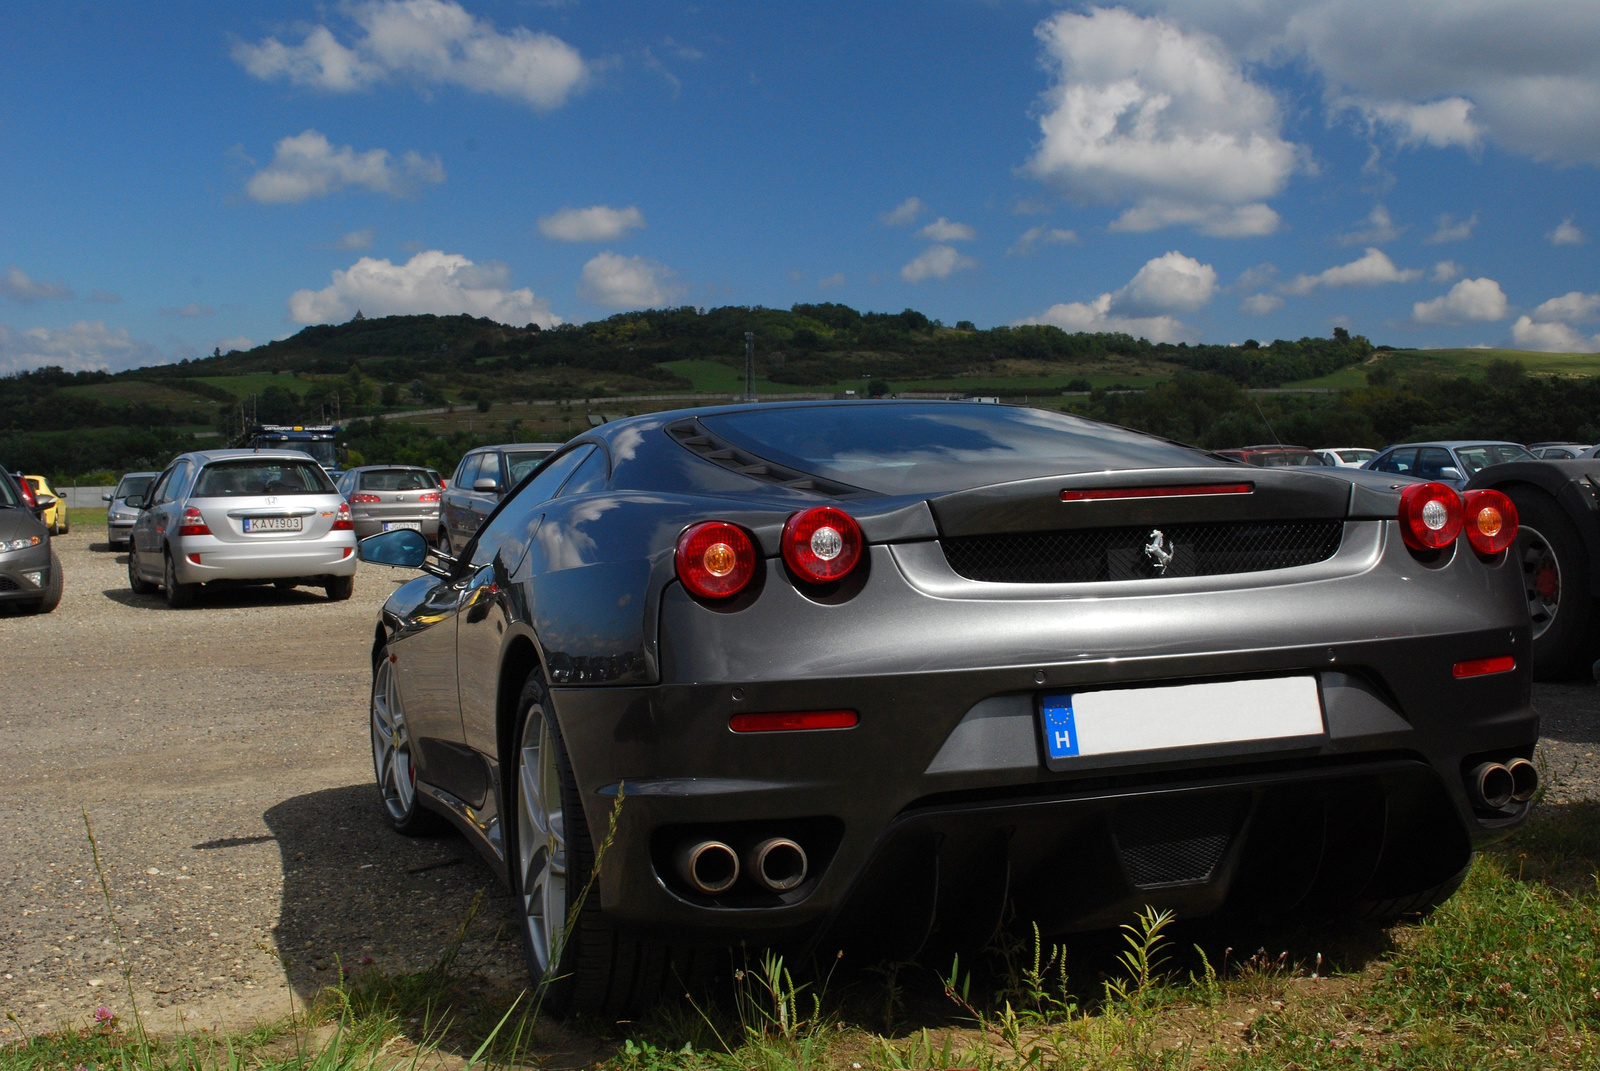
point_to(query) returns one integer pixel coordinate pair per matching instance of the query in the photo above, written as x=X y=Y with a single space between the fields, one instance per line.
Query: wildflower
x=104 y=1015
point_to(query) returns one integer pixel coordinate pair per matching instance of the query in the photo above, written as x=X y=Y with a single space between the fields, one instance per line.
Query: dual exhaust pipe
x=777 y=864
x=1496 y=785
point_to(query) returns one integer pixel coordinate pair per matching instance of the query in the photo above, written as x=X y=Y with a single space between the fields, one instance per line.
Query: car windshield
x=1356 y=456
x=262 y=476
x=395 y=480
x=1474 y=458
x=133 y=485
x=916 y=448
x=522 y=462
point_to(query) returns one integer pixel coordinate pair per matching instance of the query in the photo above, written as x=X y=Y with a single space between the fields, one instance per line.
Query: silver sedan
x=242 y=515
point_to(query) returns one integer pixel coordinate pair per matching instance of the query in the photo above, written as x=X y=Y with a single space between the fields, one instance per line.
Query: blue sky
x=182 y=176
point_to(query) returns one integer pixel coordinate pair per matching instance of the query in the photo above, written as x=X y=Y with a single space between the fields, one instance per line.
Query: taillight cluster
x=341 y=520
x=193 y=524
x=1432 y=515
x=717 y=560
x=431 y=496
x=367 y=500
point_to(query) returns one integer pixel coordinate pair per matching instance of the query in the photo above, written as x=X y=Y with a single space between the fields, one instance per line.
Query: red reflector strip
x=1101 y=494
x=1480 y=667
x=786 y=723
x=195 y=558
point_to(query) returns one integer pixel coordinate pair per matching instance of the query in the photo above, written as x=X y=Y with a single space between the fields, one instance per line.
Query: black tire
x=139 y=585
x=340 y=588
x=284 y=585
x=1563 y=642
x=179 y=596
x=596 y=970
x=402 y=806
x=53 y=590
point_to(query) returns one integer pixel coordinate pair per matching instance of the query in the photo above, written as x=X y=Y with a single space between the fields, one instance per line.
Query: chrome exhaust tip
x=1492 y=785
x=1524 y=779
x=708 y=866
x=777 y=863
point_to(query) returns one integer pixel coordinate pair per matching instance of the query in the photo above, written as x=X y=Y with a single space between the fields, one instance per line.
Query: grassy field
x=1458 y=363
x=1505 y=975
x=713 y=377
x=134 y=392
x=256 y=382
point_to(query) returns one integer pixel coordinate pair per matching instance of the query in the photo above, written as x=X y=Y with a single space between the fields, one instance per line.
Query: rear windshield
x=133 y=485
x=1280 y=459
x=1478 y=457
x=262 y=476
x=1356 y=455
x=922 y=447
x=395 y=480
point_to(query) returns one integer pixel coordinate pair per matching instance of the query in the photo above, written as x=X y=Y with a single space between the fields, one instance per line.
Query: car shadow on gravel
x=223 y=598
x=358 y=896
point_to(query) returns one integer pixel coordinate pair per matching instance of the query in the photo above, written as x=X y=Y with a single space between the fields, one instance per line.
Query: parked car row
x=854 y=673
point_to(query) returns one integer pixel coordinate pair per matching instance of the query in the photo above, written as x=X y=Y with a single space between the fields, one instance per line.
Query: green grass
x=713 y=377
x=243 y=386
x=1469 y=362
x=133 y=392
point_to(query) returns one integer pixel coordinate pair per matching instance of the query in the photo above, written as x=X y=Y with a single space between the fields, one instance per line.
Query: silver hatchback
x=242 y=515
x=385 y=497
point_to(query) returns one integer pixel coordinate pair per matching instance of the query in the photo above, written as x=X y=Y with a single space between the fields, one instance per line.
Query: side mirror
x=1450 y=472
x=105 y=498
x=487 y=484
x=46 y=501
x=404 y=548
x=134 y=502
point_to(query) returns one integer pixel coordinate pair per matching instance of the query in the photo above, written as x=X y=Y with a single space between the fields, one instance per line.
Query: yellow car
x=54 y=518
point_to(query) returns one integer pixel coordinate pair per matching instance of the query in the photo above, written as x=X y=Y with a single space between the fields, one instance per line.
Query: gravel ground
x=221 y=755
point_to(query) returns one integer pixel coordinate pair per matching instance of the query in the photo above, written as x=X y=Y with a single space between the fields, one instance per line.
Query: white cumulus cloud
x=936 y=262
x=1565 y=233
x=943 y=230
x=903 y=213
x=597 y=223
x=355 y=241
x=1552 y=337
x=1261 y=304
x=1372 y=269
x=620 y=282
x=445 y=284
x=1573 y=307
x=1446 y=270
x=1143 y=112
x=431 y=42
x=24 y=289
x=88 y=345
x=1479 y=300
x=308 y=165
x=1169 y=283
x=1379 y=227
x=1439 y=123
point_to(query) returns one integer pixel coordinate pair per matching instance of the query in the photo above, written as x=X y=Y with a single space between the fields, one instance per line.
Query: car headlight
x=20 y=544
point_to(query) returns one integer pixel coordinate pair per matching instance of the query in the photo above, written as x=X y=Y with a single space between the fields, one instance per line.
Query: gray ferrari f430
x=866 y=673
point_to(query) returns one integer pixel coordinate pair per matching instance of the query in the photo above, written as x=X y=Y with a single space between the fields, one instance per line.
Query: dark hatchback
x=31 y=579
x=864 y=674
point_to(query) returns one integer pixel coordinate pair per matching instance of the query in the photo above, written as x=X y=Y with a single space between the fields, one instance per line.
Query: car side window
x=505 y=533
x=1431 y=462
x=163 y=490
x=461 y=479
x=592 y=475
x=1400 y=462
x=475 y=471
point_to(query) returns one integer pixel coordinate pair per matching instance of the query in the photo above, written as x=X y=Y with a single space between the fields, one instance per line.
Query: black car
x=480 y=482
x=865 y=673
x=30 y=572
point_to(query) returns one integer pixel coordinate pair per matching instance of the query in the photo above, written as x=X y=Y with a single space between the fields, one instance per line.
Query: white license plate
x=415 y=526
x=1130 y=720
x=273 y=524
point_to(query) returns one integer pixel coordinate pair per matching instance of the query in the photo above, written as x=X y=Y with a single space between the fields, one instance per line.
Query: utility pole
x=749 y=366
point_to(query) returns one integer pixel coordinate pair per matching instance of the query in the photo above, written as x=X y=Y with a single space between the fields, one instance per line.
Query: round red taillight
x=1430 y=516
x=715 y=559
x=1490 y=521
x=822 y=544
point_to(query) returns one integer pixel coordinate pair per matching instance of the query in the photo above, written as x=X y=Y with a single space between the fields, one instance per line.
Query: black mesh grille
x=1175 y=843
x=7 y=584
x=1086 y=554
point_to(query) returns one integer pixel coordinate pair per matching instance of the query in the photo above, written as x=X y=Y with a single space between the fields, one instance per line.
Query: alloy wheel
x=541 y=840
x=1541 y=580
x=391 y=745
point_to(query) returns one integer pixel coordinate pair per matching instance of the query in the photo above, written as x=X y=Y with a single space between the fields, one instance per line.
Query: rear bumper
x=939 y=803
x=365 y=528
x=331 y=555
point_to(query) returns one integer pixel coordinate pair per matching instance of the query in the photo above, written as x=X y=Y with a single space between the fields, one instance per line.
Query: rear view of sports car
x=866 y=673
